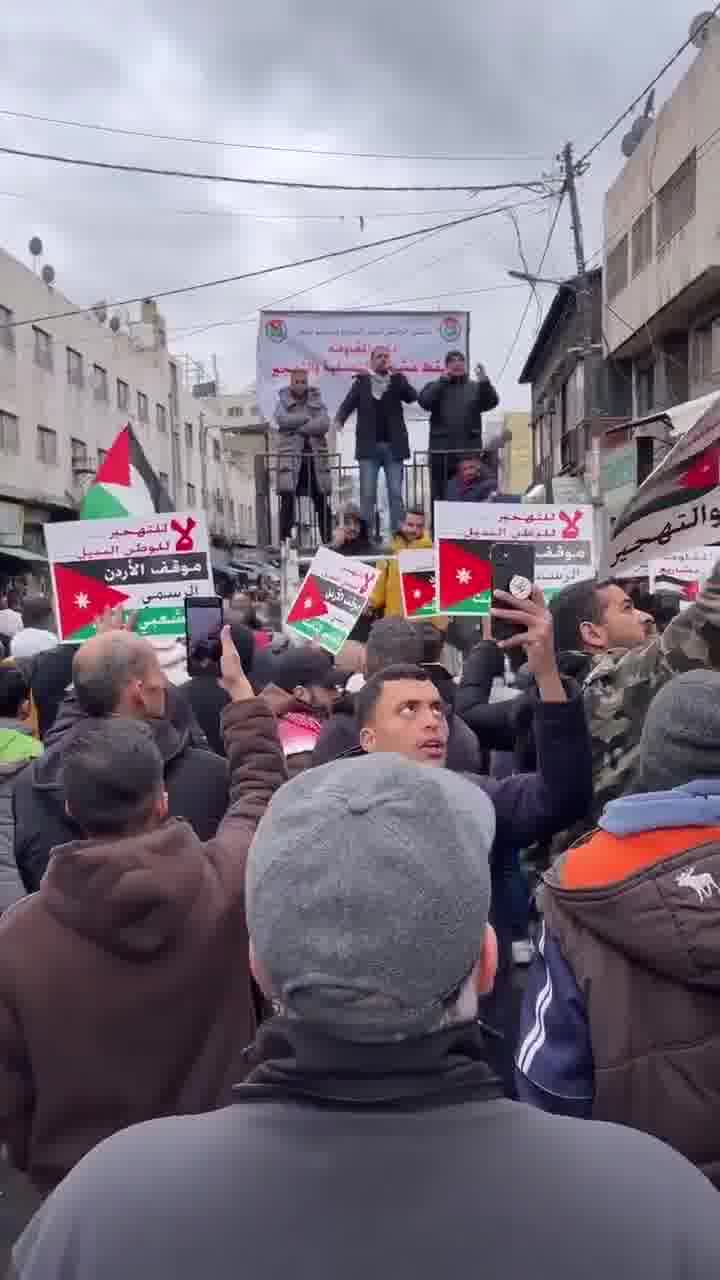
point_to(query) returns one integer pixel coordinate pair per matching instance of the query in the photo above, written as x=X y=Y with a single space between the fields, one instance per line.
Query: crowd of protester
x=259 y=999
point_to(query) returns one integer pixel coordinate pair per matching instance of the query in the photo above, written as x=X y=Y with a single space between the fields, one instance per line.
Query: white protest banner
x=334 y=346
x=683 y=572
x=678 y=507
x=417 y=581
x=465 y=533
x=147 y=565
x=331 y=598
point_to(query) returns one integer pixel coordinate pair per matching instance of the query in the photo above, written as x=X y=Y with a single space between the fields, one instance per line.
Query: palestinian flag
x=125 y=483
x=464 y=577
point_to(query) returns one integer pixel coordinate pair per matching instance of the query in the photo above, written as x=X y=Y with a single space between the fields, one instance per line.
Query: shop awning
x=22 y=553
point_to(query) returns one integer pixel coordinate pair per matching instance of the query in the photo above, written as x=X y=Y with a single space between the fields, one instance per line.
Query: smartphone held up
x=513 y=571
x=203 y=633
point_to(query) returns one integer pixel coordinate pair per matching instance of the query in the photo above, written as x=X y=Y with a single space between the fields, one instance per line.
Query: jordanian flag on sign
x=125 y=483
x=417 y=580
x=464 y=577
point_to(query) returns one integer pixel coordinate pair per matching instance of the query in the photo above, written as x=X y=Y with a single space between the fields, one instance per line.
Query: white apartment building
x=67 y=386
x=661 y=305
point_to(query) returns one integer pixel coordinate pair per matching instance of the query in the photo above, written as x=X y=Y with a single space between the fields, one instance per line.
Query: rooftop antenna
x=703 y=27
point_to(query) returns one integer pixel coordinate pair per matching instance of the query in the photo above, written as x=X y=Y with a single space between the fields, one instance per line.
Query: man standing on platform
x=456 y=404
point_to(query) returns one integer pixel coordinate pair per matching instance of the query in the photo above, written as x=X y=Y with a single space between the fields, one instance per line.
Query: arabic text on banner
x=678 y=507
x=334 y=346
x=563 y=537
x=146 y=565
x=331 y=598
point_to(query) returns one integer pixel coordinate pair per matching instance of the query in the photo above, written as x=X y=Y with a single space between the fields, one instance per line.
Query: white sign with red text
x=465 y=532
x=333 y=346
x=146 y=565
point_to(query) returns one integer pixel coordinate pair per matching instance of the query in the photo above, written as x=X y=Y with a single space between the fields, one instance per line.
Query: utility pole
x=583 y=290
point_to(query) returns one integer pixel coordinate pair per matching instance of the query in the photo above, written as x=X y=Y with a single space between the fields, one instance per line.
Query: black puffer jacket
x=360 y=400
x=195 y=779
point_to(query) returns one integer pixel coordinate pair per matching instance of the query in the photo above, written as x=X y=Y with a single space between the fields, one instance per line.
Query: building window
x=231 y=511
x=78 y=450
x=9 y=433
x=642 y=241
x=645 y=389
x=100 y=383
x=143 y=407
x=254 y=411
x=236 y=411
x=706 y=352
x=7 y=336
x=101 y=456
x=190 y=497
x=676 y=201
x=161 y=418
x=219 y=503
x=206 y=499
x=188 y=435
x=164 y=480
x=47 y=450
x=123 y=395
x=42 y=349
x=217 y=454
x=617 y=269
x=74 y=368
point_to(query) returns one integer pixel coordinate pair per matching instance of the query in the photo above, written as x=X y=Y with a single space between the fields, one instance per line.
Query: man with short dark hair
x=303 y=463
x=396 y=641
x=115 y=674
x=124 y=982
x=609 y=645
x=37 y=634
x=381 y=437
x=370 y=1139
x=456 y=404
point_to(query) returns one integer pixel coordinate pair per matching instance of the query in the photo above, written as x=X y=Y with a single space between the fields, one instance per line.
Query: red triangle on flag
x=463 y=573
x=418 y=592
x=81 y=599
x=116 y=467
x=309 y=604
x=704 y=471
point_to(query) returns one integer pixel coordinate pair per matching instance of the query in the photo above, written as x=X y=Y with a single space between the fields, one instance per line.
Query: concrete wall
x=687 y=121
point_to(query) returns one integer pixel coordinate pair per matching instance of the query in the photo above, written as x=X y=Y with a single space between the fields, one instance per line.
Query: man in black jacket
x=381 y=438
x=370 y=1140
x=456 y=404
x=115 y=673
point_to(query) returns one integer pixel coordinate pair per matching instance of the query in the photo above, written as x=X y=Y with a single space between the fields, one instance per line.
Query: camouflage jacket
x=622 y=684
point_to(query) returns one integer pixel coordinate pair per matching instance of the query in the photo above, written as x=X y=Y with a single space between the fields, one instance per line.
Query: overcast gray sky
x=497 y=82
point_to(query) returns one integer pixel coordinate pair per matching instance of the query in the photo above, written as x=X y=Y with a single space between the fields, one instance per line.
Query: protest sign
x=683 y=572
x=334 y=346
x=417 y=580
x=678 y=507
x=465 y=533
x=332 y=596
x=147 y=566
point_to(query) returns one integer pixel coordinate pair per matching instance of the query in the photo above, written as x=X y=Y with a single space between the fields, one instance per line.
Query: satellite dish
x=100 y=312
x=48 y=274
x=702 y=28
x=36 y=246
x=115 y=323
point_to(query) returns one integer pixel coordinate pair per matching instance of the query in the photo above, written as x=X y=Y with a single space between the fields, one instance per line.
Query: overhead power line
x=259 y=146
x=262 y=271
x=114 y=167
x=533 y=290
x=642 y=96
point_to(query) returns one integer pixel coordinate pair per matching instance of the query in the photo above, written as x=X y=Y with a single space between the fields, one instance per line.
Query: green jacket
x=17 y=743
x=622 y=684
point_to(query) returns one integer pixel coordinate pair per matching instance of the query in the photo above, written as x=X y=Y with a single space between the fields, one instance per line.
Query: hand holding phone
x=203 y=631
x=513 y=573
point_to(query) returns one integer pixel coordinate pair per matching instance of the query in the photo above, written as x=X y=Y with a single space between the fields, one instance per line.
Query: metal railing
x=425 y=480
